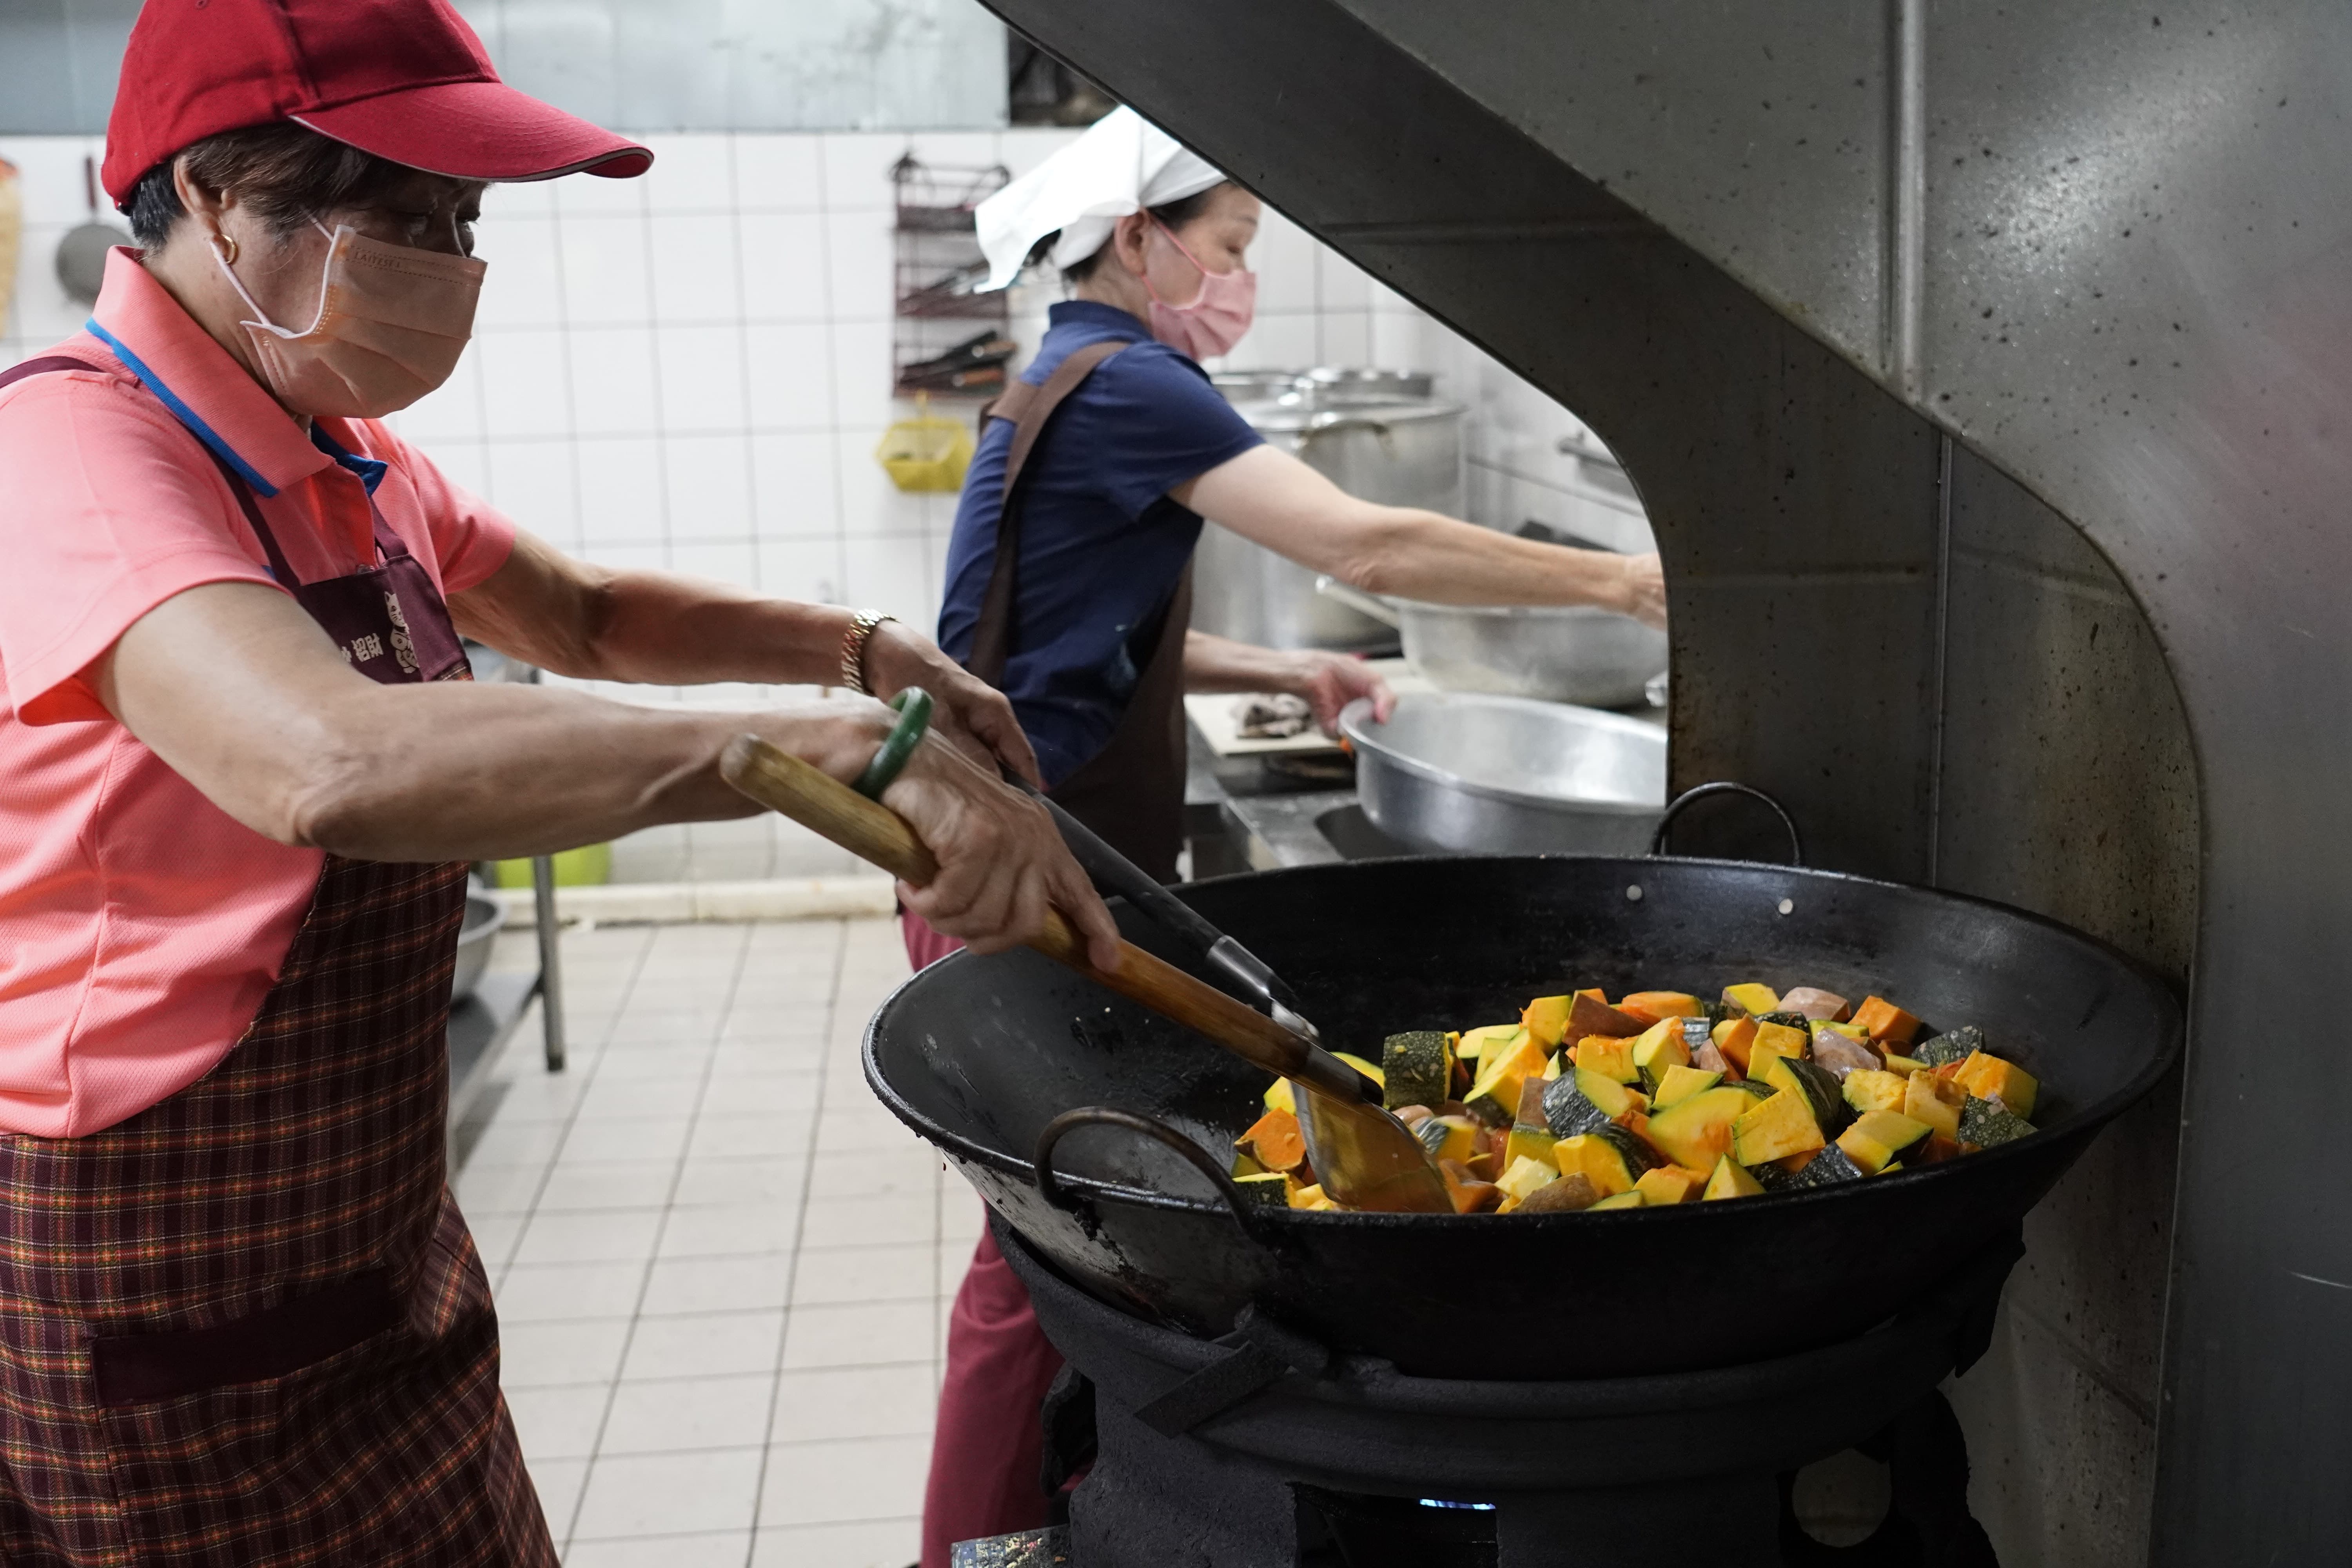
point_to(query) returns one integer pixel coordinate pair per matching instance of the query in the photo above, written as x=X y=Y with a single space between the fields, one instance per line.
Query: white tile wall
x=691 y=371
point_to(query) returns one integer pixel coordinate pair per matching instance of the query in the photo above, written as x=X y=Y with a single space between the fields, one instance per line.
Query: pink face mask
x=392 y=322
x=1217 y=317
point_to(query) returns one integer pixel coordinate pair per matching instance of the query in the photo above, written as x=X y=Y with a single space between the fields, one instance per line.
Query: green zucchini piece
x=1940 y=1050
x=1826 y=1169
x=1987 y=1125
x=1418 y=1068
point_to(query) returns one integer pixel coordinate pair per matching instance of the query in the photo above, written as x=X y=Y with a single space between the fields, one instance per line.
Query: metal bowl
x=1558 y=653
x=1467 y=773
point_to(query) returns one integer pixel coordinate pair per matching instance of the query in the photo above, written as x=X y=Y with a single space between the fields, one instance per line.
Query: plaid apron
x=246 y=1328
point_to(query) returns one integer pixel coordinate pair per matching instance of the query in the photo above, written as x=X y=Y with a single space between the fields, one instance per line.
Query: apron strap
x=47 y=363
x=1028 y=407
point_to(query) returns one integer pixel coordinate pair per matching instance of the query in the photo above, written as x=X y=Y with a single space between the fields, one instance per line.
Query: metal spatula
x=1365 y=1158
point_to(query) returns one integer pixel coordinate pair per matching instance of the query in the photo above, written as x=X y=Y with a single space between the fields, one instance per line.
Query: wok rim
x=1353 y=727
x=2082 y=1126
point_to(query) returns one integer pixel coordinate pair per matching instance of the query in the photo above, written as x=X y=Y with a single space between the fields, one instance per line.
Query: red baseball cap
x=404 y=79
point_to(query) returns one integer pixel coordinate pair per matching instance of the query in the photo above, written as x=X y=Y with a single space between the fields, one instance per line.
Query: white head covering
x=1122 y=164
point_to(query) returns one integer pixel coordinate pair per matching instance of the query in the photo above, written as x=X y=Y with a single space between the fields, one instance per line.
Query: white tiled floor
x=722 y=1269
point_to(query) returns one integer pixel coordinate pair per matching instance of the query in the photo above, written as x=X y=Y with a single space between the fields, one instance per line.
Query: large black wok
x=978 y=1054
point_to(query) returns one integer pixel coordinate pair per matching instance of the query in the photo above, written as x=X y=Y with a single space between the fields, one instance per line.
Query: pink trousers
x=987 y=1444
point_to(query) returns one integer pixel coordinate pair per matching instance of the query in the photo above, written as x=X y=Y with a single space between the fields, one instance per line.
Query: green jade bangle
x=914 y=706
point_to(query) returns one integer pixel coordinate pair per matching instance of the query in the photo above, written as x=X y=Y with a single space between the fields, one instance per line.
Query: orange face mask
x=392 y=322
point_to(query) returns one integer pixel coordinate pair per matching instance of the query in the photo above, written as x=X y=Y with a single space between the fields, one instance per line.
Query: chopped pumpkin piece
x=1868 y=1089
x=1311 y=1198
x=1671 y=1184
x=1886 y=1021
x=1989 y=1077
x=1986 y=1125
x=1936 y=1101
x=1582 y=1101
x=1656 y=1007
x=1735 y=1037
x=1752 y=997
x=1524 y=1176
x=1876 y=1137
x=1953 y=1046
x=1679 y=1084
x=1278 y=1096
x=1696 y=1131
x=1274 y=1141
x=1827 y=1169
x=1659 y=1047
x=1609 y=1057
x=1271 y=1188
x=1778 y=1127
x=1495 y=1094
x=1611 y=1158
x=1370 y=1070
x=1416 y=1069
x=1731 y=1180
x=1906 y=1066
x=1474 y=1042
x=1545 y=1018
x=1815 y=1082
x=1589 y=1014
x=1780 y=1040
x=1628 y=1199
x=1470 y=1194
x=1449 y=1137
x=1529 y=1143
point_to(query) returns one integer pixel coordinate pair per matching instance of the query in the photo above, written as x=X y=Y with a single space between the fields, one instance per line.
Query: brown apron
x=246 y=1328
x=1132 y=791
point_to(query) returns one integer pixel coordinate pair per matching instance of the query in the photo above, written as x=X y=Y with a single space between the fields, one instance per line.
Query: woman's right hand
x=1001 y=861
x=1644 y=589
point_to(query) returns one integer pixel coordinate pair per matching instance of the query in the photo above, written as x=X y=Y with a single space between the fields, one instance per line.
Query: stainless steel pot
x=1565 y=653
x=1465 y=773
x=1397 y=450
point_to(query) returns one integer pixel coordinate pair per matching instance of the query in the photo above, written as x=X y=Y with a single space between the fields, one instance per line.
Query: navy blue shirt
x=1102 y=545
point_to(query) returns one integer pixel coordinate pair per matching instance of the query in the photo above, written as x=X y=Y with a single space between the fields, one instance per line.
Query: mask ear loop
x=218 y=245
x=1197 y=293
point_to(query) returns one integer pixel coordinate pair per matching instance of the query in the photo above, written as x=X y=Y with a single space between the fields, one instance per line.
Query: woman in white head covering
x=1074 y=598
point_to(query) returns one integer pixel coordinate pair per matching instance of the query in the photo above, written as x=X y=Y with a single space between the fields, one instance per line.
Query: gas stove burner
x=1264 y=1450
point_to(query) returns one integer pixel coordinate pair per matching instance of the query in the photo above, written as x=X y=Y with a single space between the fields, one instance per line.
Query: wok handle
x=1724 y=786
x=873 y=832
x=1049 y=1185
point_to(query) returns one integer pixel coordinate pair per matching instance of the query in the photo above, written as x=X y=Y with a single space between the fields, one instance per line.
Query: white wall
x=691 y=371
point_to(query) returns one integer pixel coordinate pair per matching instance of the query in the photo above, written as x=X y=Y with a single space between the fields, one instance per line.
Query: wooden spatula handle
x=873 y=832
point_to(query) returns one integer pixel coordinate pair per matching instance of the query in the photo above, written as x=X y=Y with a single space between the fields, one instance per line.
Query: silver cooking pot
x=1465 y=774
x=1378 y=447
x=1557 y=653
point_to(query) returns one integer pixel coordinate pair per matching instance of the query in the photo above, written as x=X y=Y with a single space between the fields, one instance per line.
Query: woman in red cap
x=241 y=1320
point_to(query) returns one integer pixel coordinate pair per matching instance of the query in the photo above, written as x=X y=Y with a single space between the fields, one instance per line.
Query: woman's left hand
x=1329 y=681
x=971 y=713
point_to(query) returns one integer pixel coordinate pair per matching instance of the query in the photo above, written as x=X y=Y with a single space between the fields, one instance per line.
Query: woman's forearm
x=1424 y=555
x=1220 y=664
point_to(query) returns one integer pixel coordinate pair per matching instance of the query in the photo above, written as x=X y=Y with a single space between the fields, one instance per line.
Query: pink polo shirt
x=140 y=925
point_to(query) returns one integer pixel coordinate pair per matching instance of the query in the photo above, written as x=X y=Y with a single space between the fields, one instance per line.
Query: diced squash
x=1245 y=1166
x=1524 y=1175
x=1886 y=1021
x=1752 y=997
x=1780 y=1040
x=1628 y=1199
x=1655 y=1006
x=1821 y=1006
x=1659 y=1047
x=1730 y=1179
x=1876 y=1137
x=1496 y=1096
x=1889 y=1168
x=1868 y=1089
x=1610 y=1058
x=1989 y=1077
x=1277 y=1097
x=1271 y=1188
x=1987 y=1125
x=1589 y=1014
x=1370 y=1070
x=1416 y=1069
x=1670 y=1184
x=1906 y=1066
x=1679 y=1084
x=1274 y=1141
x=1953 y=1046
x=1935 y=1150
x=1827 y=1169
x=1777 y=1127
x=1820 y=1090
x=1565 y=1195
x=1311 y=1197
x=1555 y=1064
x=1582 y=1101
x=1611 y=1158
x=1546 y=1018
x=1449 y=1137
x=1698 y=1132
x=1934 y=1100
x=1529 y=1143
x=1472 y=1043
x=1470 y=1194
x=1736 y=1038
